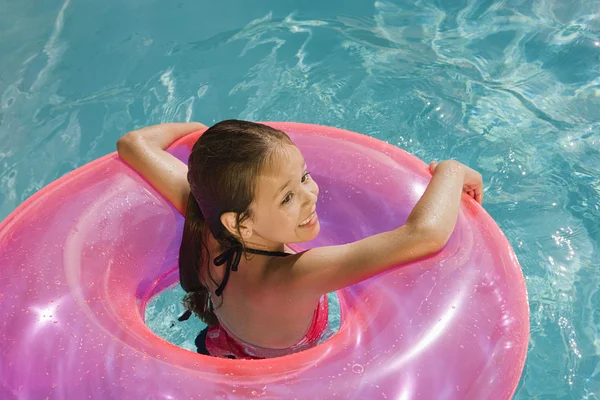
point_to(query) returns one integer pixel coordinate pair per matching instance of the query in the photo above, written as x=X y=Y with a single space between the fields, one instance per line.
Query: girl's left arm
x=145 y=151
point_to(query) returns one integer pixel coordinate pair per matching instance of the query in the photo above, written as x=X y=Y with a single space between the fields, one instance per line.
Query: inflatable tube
x=80 y=259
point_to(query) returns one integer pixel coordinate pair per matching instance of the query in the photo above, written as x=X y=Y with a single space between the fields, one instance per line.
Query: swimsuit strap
x=232 y=257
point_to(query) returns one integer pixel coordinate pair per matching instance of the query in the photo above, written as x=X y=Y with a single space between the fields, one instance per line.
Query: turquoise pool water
x=509 y=87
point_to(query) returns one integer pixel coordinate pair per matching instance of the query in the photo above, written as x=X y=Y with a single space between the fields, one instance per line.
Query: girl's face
x=284 y=209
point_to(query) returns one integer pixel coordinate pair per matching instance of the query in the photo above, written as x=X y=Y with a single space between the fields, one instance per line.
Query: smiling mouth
x=310 y=220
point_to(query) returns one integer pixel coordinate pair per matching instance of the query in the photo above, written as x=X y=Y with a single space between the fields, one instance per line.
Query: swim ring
x=80 y=259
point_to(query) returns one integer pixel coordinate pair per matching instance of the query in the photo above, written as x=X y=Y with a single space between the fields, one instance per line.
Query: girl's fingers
x=476 y=194
x=479 y=196
x=432 y=166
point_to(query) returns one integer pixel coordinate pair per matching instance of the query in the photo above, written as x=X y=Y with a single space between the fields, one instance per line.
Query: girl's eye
x=287 y=198
x=305 y=177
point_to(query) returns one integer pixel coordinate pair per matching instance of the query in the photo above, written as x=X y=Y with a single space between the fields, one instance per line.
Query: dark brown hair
x=222 y=172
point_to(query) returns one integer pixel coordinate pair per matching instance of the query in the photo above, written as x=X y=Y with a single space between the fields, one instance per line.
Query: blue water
x=511 y=88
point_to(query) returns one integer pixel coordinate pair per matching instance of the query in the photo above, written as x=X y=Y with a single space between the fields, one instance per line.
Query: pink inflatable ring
x=80 y=259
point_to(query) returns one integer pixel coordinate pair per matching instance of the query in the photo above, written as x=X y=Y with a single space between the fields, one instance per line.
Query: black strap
x=232 y=257
x=185 y=316
x=201 y=342
x=267 y=253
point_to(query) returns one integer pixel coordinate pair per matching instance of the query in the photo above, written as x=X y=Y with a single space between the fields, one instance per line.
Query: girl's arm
x=427 y=230
x=144 y=151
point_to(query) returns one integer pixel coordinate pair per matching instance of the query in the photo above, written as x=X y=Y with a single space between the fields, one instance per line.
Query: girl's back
x=260 y=313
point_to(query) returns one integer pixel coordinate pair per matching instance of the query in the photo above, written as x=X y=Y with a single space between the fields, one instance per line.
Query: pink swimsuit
x=221 y=342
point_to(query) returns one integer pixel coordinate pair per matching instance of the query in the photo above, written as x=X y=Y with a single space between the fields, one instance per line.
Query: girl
x=245 y=193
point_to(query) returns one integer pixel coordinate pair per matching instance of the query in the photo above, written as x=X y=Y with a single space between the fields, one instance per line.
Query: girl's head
x=249 y=186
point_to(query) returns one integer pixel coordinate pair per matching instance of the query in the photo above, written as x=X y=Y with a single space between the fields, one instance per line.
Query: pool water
x=509 y=87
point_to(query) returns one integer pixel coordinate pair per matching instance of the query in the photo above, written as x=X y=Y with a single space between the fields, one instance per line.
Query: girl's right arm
x=144 y=151
x=427 y=230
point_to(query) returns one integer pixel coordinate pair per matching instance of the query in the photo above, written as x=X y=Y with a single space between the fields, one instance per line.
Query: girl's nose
x=310 y=194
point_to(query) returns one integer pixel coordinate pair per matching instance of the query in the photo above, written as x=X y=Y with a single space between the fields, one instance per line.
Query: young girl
x=245 y=193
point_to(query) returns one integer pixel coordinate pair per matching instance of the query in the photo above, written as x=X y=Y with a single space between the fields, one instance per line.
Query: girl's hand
x=472 y=183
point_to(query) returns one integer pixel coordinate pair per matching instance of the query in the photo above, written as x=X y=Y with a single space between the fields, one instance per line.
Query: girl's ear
x=229 y=221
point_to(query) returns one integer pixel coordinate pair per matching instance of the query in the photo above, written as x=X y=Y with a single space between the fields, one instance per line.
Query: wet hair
x=223 y=168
